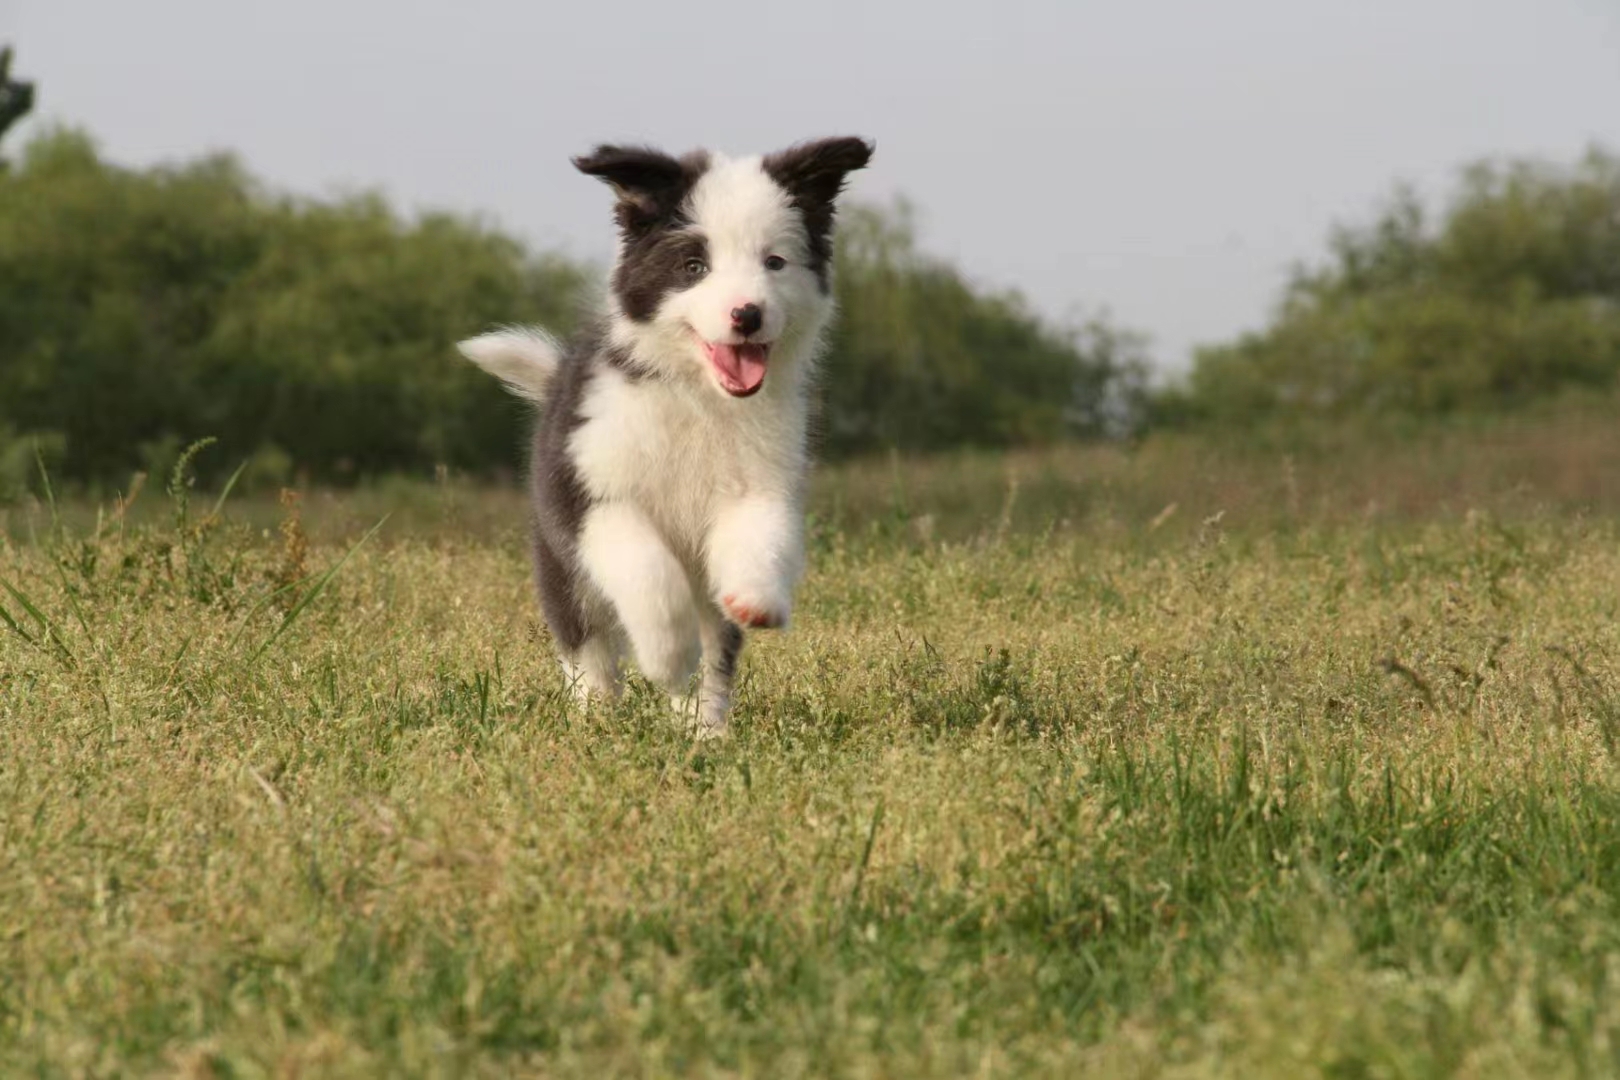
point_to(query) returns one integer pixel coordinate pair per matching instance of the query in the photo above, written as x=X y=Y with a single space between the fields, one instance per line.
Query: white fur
x=593 y=670
x=524 y=358
x=704 y=504
x=627 y=559
x=754 y=554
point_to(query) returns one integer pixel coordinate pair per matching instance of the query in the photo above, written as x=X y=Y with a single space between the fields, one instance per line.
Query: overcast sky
x=1165 y=159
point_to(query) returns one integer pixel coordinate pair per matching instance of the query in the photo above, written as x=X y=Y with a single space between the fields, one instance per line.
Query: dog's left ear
x=814 y=172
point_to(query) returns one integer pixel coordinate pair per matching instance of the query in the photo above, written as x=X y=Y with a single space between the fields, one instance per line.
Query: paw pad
x=750 y=617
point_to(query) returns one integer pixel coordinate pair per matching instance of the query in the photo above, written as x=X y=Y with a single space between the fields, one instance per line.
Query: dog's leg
x=648 y=588
x=592 y=670
x=705 y=711
x=755 y=556
x=580 y=625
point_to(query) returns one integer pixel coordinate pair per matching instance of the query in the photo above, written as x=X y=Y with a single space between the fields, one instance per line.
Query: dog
x=670 y=455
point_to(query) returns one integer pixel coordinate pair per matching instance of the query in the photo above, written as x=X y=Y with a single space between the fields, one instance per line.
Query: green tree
x=16 y=98
x=142 y=308
x=919 y=359
x=1513 y=293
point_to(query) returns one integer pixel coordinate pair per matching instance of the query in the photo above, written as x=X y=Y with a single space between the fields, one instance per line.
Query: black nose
x=747 y=319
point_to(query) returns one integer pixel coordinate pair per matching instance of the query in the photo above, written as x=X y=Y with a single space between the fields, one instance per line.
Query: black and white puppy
x=669 y=460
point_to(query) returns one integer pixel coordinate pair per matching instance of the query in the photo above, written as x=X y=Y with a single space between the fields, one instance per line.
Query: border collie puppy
x=669 y=459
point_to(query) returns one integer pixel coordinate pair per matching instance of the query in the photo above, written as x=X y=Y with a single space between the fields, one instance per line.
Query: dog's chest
x=679 y=454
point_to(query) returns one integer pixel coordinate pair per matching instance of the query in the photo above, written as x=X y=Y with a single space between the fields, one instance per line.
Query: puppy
x=669 y=459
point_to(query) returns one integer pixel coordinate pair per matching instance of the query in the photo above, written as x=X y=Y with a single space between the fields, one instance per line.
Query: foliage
x=920 y=360
x=16 y=97
x=140 y=309
x=1513 y=294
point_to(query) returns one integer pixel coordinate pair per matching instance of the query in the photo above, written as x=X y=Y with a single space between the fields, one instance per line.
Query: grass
x=1049 y=779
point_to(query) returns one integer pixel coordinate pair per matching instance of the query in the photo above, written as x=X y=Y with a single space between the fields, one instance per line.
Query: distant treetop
x=16 y=98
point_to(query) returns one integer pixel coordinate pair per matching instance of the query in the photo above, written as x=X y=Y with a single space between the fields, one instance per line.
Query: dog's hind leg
x=580 y=625
x=706 y=710
x=629 y=562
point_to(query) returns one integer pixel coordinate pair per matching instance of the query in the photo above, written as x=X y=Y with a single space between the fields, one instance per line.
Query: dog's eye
x=774 y=262
x=696 y=268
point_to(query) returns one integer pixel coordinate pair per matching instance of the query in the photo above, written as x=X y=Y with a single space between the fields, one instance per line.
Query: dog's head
x=724 y=264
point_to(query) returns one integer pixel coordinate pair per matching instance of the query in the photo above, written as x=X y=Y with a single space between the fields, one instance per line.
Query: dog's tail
x=525 y=358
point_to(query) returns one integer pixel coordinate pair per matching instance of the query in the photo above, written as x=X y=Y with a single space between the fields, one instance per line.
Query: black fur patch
x=629 y=366
x=731 y=643
x=559 y=499
x=813 y=174
x=652 y=187
x=653 y=266
x=651 y=184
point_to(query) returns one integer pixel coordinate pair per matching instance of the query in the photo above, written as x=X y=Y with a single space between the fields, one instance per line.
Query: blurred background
x=1265 y=224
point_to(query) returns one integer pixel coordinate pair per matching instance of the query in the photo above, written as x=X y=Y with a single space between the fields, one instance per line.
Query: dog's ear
x=814 y=172
x=813 y=175
x=650 y=184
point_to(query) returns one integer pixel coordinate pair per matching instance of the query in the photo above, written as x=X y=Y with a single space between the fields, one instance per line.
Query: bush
x=921 y=360
x=1514 y=295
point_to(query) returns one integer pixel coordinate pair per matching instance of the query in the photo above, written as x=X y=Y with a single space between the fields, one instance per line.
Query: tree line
x=1509 y=294
x=141 y=309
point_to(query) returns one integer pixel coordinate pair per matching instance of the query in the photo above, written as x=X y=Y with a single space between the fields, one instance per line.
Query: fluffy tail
x=523 y=357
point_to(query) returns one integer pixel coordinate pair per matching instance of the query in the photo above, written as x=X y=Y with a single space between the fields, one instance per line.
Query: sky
x=1166 y=161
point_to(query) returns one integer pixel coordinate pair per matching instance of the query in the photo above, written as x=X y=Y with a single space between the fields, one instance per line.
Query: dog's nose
x=747 y=319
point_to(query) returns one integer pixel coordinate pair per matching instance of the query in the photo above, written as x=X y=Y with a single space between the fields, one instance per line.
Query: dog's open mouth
x=740 y=368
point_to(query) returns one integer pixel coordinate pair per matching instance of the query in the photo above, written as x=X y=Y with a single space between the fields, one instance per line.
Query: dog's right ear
x=650 y=184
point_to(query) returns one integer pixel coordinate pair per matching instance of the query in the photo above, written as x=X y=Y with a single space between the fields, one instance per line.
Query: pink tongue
x=741 y=367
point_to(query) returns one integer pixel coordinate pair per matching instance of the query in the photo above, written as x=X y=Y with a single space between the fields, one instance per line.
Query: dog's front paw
x=755 y=613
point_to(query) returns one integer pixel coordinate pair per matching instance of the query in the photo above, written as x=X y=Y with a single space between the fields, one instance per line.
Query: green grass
x=1045 y=781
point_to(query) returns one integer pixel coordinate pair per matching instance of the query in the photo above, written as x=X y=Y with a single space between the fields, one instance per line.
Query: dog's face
x=724 y=265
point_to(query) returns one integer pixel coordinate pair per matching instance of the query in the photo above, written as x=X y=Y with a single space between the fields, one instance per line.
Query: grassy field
x=1170 y=762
